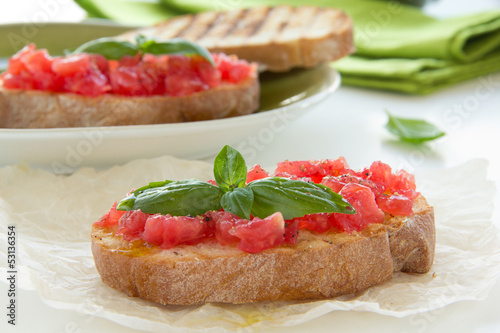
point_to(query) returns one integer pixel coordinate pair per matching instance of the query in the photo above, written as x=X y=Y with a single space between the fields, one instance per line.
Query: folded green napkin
x=398 y=46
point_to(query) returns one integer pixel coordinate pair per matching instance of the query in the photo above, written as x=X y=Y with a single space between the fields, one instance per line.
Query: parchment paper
x=53 y=217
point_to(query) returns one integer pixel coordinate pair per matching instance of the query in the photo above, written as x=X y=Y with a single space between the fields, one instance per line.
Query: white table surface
x=349 y=123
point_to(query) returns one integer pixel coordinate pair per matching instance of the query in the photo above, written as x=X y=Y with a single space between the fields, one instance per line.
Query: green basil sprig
x=115 y=49
x=261 y=198
x=413 y=130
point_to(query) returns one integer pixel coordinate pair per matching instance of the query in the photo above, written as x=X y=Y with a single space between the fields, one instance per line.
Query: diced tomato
x=379 y=173
x=129 y=61
x=224 y=222
x=169 y=231
x=71 y=64
x=183 y=230
x=336 y=183
x=314 y=169
x=260 y=234
x=37 y=61
x=291 y=232
x=111 y=217
x=140 y=75
x=207 y=73
x=16 y=63
x=402 y=181
x=153 y=229
x=232 y=69
x=131 y=225
x=92 y=83
x=395 y=204
x=183 y=84
x=256 y=172
x=363 y=201
x=319 y=222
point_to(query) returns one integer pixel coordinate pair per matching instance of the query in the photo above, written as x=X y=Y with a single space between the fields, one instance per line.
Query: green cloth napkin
x=398 y=46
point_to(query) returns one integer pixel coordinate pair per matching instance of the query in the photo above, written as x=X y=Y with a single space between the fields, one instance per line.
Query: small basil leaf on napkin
x=238 y=202
x=294 y=198
x=177 y=198
x=109 y=48
x=230 y=170
x=413 y=130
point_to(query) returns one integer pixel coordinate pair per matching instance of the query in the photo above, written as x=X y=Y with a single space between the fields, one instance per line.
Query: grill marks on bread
x=279 y=37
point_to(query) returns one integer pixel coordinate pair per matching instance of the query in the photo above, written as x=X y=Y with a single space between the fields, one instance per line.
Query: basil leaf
x=175 y=46
x=294 y=198
x=230 y=169
x=126 y=203
x=413 y=130
x=152 y=185
x=109 y=48
x=238 y=202
x=177 y=198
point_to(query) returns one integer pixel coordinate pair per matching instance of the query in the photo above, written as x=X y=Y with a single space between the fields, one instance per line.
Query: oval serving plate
x=284 y=97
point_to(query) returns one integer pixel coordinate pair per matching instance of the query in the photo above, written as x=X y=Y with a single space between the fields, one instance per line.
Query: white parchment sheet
x=53 y=217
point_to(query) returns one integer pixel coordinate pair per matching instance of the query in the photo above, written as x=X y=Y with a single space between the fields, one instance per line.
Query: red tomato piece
x=37 y=61
x=232 y=69
x=260 y=234
x=363 y=201
x=379 y=173
x=319 y=222
x=131 y=225
x=256 y=172
x=169 y=231
x=402 y=181
x=336 y=183
x=16 y=63
x=291 y=231
x=315 y=169
x=182 y=230
x=224 y=222
x=208 y=73
x=111 y=217
x=153 y=229
x=182 y=84
x=92 y=83
x=395 y=204
x=71 y=64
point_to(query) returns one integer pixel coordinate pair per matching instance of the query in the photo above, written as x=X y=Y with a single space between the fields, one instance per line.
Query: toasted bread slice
x=320 y=265
x=40 y=109
x=279 y=38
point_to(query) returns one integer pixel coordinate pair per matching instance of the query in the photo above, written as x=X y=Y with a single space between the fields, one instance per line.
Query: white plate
x=63 y=150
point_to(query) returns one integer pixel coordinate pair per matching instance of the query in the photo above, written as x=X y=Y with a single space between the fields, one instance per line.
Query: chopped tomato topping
x=131 y=225
x=260 y=234
x=111 y=217
x=363 y=201
x=373 y=192
x=256 y=172
x=313 y=169
x=146 y=75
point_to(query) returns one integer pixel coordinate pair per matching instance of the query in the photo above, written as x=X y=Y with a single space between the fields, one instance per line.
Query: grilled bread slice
x=320 y=265
x=279 y=38
x=41 y=109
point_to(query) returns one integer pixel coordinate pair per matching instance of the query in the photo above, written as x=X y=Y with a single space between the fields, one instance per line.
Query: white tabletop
x=349 y=123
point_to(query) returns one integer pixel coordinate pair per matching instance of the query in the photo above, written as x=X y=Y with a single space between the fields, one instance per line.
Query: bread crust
x=320 y=265
x=279 y=37
x=40 y=109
